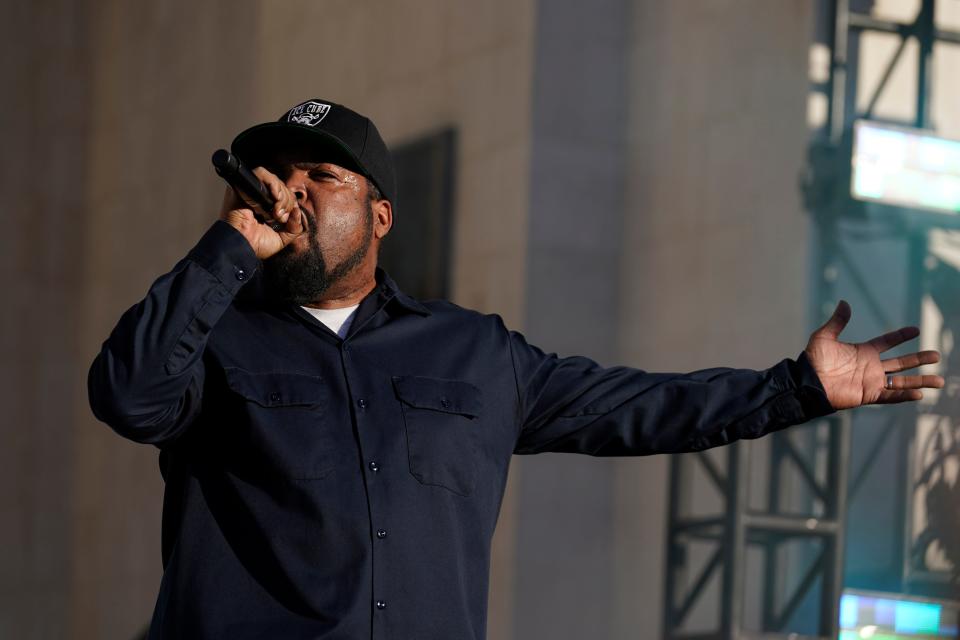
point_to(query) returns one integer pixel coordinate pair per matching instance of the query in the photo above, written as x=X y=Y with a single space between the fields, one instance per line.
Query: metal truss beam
x=819 y=469
x=738 y=527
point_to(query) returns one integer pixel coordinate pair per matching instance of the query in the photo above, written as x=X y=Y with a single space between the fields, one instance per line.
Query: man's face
x=340 y=230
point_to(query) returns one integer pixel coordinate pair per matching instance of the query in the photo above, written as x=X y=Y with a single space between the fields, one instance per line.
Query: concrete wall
x=655 y=146
x=107 y=138
x=42 y=171
x=565 y=504
x=106 y=169
x=715 y=261
x=693 y=254
x=162 y=96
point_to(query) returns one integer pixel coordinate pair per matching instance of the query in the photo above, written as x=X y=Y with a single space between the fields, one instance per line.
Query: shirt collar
x=389 y=291
x=385 y=292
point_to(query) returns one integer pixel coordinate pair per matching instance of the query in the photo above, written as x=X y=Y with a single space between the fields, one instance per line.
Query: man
x=335 y=452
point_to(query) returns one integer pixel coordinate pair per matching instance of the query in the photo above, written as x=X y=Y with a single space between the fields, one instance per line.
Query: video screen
x=895 y=617
x=905 y=167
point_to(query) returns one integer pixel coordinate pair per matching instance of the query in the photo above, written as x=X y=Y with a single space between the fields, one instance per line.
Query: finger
x=893 y=338
x=836 y=323
x=241 y=219
x=282 y=198
x=287 y=203
x=243 y=200
x=264 y=174
x=297 y=222
x=893 y=365
x=914 y=382
x=893 y=397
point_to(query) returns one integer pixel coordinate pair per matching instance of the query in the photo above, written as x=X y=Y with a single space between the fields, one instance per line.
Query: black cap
x=342 y=135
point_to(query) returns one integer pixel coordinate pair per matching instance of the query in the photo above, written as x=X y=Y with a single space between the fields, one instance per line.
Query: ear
x=382 y=218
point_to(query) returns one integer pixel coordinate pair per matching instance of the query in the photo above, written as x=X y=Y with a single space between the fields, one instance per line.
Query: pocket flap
x=277 y=389
x=449 y=396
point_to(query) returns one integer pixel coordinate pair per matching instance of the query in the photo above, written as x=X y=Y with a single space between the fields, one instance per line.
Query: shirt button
x=374 y=467
x=362 y=403
x=274 y=397
x=444 y=403
x=241 y=274
x=382 y=533
x=381 y=605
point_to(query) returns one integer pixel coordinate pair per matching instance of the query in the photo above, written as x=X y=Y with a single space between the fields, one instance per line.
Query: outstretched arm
x=574 y=405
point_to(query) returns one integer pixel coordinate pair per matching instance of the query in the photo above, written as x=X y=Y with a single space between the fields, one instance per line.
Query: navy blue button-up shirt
x=342 y=489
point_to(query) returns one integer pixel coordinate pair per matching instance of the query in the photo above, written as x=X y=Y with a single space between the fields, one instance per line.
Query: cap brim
x=267 y=142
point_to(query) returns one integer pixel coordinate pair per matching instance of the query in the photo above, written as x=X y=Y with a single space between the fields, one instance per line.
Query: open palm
x=854 y=374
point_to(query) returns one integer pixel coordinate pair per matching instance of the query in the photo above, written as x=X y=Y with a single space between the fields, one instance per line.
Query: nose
x=297 y=184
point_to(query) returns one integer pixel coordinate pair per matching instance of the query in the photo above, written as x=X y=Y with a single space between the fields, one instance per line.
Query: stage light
x=908 y=168
x=892 y=616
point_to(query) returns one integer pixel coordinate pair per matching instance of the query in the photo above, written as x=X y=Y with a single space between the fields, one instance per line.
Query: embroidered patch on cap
x=309 y=113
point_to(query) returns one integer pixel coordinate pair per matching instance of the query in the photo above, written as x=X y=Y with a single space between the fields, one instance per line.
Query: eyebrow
x=308 y=166
x=282 y=168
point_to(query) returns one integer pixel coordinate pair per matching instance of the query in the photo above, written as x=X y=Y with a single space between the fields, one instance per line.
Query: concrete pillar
x=565 y=509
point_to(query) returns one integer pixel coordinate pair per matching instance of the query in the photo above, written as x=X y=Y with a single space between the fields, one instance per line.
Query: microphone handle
x=230 y=168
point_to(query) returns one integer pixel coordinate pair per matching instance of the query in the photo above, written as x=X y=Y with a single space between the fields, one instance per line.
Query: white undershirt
x=337 y=320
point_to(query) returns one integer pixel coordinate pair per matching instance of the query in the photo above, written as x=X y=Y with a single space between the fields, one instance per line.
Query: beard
x=304 y=277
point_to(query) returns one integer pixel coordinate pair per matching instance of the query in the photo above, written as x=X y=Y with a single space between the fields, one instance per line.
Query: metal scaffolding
x=795 y=536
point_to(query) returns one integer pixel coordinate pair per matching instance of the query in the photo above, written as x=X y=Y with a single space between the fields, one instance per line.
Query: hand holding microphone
x=237 y=175
x=259 y=205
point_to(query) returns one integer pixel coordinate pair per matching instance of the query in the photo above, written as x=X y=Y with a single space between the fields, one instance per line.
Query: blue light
x=918 y=617
x=848 y=611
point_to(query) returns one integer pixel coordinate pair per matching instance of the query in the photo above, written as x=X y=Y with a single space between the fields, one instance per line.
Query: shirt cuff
x=226 y=254
x=810 y=397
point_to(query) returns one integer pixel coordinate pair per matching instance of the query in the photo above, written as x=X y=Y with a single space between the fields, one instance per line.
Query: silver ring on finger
x=889 y=384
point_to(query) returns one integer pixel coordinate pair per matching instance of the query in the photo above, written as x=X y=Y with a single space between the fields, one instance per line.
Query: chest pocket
x=284 y=432
x=441 y=422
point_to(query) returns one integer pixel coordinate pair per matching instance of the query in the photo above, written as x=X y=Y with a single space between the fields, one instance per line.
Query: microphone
x=237 y=175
